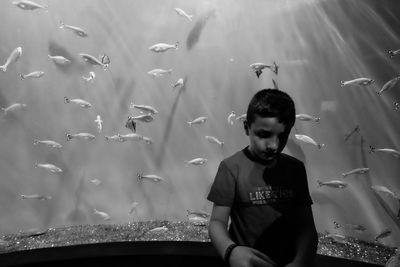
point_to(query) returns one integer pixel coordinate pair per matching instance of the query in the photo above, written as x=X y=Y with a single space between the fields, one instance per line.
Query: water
x=316 y=44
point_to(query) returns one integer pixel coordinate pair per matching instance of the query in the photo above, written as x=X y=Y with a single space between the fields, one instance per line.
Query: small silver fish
x=392 y=53
x=102 y=214
x=355 y=171
x=91 y=77
x=159 y=72
x=134 y=205
x=163 y=47
x=49 y=143
x=96 y=182
x=80 y=102
x=36 y=196
x=395 y=153
x=385 y=190
x=355 y=130
x=78 y=31
x=183 y=13
x=13 y=107
x=258 y=67
x=150 y=177
x=179 y=83
x=389 y=85
x=131 y=124
x=115 y=137
x=144 y=108
x=28 y=5
x=337 y=238
x=308 y=140
x=34 y=74
x=197 y=220
x=48 y=167
x=196 y=161
x=353 y=227
x=142 y=118
x=93 y=60
x=199 y=213
x=131 y=137
x=333 y=183
x=231 y=117
x=99 y=123
x=359 y=81
x=383 y=234
x=214 y=140
x=147 y=140
x=199 y=120
x=159 y=229
x=306 y=117
x=59 y=60
x=83 y=136
x=12 y=58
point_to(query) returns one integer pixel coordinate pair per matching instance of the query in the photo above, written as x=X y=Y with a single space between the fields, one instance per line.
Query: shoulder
x=235 y=159
x=290 y=160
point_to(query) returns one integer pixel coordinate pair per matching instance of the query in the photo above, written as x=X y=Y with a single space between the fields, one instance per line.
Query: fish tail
x=22 y=76
x=371 y=149
x=169 y=71
x=222 y=144
x=35 y=164
x=107 y=138
x=320 y=146
x=189 y=123
x=337 y=225
x=391 y=53
x=35 y=141
x=341 y=83
x=139 y=175
x=62 y=25
x=3 y=68
x=49 y=57
x=66 y=100
x=344 y=175
x=69 y=136
x=319 y=183
x=176 y=45
x=190 y=17
x=317 y=120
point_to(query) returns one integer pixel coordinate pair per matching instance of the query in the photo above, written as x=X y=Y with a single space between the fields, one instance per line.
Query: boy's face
x=267 y=138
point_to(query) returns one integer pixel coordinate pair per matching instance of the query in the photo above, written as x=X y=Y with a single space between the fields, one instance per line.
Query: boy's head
x=271 y=115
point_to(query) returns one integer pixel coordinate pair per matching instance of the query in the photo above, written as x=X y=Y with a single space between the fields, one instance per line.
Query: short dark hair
x=272 y=103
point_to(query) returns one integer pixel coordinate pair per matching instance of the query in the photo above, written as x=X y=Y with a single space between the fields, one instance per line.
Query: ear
x=246 y=127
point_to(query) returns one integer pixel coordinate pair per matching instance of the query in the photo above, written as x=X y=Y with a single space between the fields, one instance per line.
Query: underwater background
x=316 y=44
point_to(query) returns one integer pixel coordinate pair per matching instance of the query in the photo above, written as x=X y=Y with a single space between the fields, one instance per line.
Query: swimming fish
x=353 y=227
x=159 y=72
x=142 y=118
x=389 y=85
x=59 y=60
x=150 y=177
x=359 y=81
x=214 y=140
x=196 y=161
x=163 y=47
x=355 y=130
x=183 y=13
x=13 y=107
x=93 y=60
x=199 y=120
x=36 y=196
x=144 y=108
x=309 y=140
x=355 y=171
x=242 y=117
x=385 y=190
x=258 y=67
x=231 y=117
x=385 y=233
x=96 y=182
x=133 y=207
x=131 y=137
x=34 y=74
x=84 y=136
x=48 y=167
x=80 y=102
x=337 y=238
x=28 y=5
x=115 y=137
x=78 y=31
x=91 y=77
x=179 y=83
x=199 y=213
x=306 y=117
x=49 y=143
x=12 y=58
x=99 y=123
x=158 y=229
x=102 y=214
x=333 y=183
x=197 y=220
x=392 y=53
x=147 y=140
x=131 y=124
x=395 y=153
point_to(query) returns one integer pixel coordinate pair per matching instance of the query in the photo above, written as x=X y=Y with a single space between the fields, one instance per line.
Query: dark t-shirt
x=262 y=201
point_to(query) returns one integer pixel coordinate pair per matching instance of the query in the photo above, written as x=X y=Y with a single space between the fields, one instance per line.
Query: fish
x=50 y=143
x=355 y=130
x=150 y=177
x=395 y=153
x=102 y=214
x=144 y=108
x=13 y=107
x=131 y=137
x=385 y=233
x=29 y=5
x=214 y=140
x=99 y=123
x=179 y=83
x=159 y=72
x=182 y=13
x=78 y=31
x=84 y=136
x=231 y=117
x=163 y=47
x=34 y=74
x=353 y=227
x=96 y=182
x=308 y=140
x=385 y=190
x=199 y=120
x=198 y=213
x=159 y=229
x=12 y=58
x=91 y=77
x=133 y=207
x=392 y=53
x=389 y=85
x=306 y=117
x=337 y=238
x=36 y=196
x=332 y=183
x=48 y=167
x=115 y=137
x=80 y=102
x=59 y=60
x=242 y=117
x=355 y=171
x=131 y=124
x=147 y=140
x=197 y=220
x=93 y=60
x=359 y=81
x=258 y=67
x=142 y=118
x=196 y=161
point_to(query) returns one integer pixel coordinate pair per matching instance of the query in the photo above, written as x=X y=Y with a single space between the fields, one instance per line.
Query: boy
x=264 y=192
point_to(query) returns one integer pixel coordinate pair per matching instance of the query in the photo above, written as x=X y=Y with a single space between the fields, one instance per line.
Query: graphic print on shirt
x=270 y=194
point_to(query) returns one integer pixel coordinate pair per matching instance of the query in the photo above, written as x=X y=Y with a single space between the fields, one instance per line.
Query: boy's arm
x=307 y=238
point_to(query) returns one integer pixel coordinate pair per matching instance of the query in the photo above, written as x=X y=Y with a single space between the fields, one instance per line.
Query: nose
x=272 y=144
